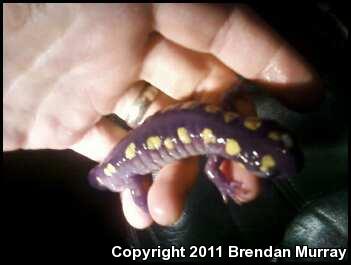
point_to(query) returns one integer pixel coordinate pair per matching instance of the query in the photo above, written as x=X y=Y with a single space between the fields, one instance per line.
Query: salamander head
x=273 y=152
x=280 y=163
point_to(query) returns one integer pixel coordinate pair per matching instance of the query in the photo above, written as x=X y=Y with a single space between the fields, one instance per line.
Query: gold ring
x=143 y=101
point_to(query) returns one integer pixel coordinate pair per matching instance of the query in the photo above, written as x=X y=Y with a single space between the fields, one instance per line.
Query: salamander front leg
x=139 y=186
x=226 y=187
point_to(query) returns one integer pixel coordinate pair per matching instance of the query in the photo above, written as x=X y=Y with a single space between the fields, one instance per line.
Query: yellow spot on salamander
x=232 y=147
x=168 y=143
x=153 y=142
x=208 y=136
x=183 y=135
x=212 y=108
x=229 y=116
x=252 y=123
x=267 y=162
x=130 y=151
x=274 y=136
x=109 y=170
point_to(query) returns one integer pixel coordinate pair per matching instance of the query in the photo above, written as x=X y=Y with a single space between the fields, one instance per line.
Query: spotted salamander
x=189 y=129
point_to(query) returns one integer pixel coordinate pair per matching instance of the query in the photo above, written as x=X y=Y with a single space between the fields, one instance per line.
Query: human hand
x=68 y=65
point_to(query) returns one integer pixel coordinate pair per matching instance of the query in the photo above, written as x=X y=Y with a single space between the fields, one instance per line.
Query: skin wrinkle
x=225 y=19
x=216 y=44
x=104 y=134
x=94 y=89
x=271 y=62
x=35 y=110
x=201 y=38
x=230 y=27
x=65 y=132
x=201 y=89
x=82 y=89
x=46 y=96
x=58 y=123
x=197 y=87
x=141 y=59
x=91 y=102
x=40 y=55
x=13 y=142
x=78 y=91
x=154 y=12
x=212 y=65
x=88 y=92
x=185 y=58
x=200 y=81
x=35 y=64
x=15 y=17
x=100 y=31
x=108 y=99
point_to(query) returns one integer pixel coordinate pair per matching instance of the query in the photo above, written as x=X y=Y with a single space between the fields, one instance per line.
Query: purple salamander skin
x=261 y=145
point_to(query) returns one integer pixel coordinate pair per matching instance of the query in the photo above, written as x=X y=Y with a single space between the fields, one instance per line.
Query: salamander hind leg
x=139 y=187
x=226 y=187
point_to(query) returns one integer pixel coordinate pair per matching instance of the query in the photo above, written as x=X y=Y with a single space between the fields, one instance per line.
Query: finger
x=182 y=73
x=98 y=141
x=243 y=42
x=168 y=192
x=135 y=216
x=179 y=74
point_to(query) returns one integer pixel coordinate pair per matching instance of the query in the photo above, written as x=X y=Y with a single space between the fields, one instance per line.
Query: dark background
x=50 y=213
